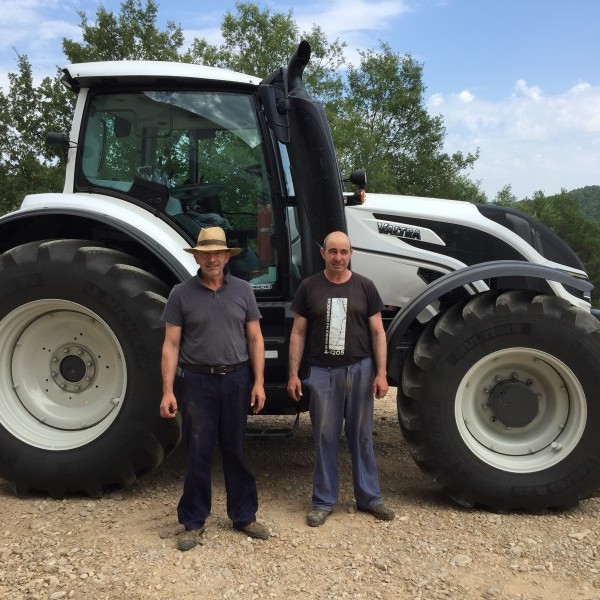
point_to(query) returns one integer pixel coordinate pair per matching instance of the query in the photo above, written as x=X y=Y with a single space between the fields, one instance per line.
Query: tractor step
x=273 y=432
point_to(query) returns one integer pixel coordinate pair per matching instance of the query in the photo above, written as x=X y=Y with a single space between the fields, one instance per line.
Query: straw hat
x=212 y=239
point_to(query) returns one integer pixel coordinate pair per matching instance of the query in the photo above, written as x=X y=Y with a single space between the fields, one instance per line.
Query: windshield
x=195 y=156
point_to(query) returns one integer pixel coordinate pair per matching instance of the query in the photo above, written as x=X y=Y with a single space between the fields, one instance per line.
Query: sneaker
x=317 y=516
x=187 y=540
x=254 y=530
x=379 y=511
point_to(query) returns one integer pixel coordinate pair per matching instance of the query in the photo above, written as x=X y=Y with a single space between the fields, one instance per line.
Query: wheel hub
x=67 y=370
x=73 y=368
x=514 y=403
x=520 y=409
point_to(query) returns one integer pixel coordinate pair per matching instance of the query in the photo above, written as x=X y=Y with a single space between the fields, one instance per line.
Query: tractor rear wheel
x=80 y=340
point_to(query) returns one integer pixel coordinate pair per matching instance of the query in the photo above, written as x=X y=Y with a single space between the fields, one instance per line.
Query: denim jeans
x=215 y=408
x=336 y=394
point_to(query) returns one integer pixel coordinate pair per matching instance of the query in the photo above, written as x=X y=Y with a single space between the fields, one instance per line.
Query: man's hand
x=257 y=398
x=168 y=406
x=294 y=388
x=380 y=386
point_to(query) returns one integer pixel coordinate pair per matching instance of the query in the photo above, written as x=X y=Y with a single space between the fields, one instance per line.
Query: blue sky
x=518 y=79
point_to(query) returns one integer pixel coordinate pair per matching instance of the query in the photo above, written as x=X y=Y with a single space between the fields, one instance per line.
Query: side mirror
x=60 y=140
x=358 y=178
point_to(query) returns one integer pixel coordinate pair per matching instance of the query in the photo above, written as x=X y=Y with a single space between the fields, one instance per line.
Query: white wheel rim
x=548 y=438
x=64 y=374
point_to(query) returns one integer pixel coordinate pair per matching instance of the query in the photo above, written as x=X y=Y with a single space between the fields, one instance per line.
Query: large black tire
x=499 y=402
x=80 y=340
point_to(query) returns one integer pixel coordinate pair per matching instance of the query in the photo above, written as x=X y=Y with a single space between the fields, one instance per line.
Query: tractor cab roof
x=130 y=72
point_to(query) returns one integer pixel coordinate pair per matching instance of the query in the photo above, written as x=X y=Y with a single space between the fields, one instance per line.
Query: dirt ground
x=115 y=547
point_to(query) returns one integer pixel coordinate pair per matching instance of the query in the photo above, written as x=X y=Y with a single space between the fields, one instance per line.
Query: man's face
x=212 y=263
x=336 y=253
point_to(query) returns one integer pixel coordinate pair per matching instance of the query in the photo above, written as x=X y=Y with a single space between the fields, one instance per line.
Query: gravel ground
x=115 y=547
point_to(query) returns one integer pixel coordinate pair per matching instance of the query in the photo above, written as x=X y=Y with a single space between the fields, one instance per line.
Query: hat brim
x=233 y=251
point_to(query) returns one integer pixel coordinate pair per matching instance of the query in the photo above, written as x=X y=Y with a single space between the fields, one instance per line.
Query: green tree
x=505 y=196
x=259 y=41
x=588 y=199
x=27 y=164
x=131 y=35
x=384 y=126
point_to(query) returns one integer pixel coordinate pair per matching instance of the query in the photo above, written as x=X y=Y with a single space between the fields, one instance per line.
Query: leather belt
x=213 y=369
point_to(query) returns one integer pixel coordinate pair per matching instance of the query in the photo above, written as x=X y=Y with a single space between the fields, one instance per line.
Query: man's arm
x=296 y=350
x=170 y=358
x=256 y=350
x=380 y=384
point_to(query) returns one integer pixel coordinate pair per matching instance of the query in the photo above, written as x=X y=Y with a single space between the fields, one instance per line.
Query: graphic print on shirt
x=335 y=334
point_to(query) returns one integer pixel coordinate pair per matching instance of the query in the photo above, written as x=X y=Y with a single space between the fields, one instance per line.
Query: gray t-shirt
x=213 y=322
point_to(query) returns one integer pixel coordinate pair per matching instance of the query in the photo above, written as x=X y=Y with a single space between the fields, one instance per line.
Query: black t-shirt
x=338 y=318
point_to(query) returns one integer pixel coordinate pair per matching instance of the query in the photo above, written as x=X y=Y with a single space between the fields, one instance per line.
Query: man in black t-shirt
x=338 y=320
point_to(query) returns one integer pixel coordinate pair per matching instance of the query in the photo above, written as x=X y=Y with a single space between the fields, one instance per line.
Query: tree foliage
x=131 y=35
x=383 y=125
x=588 y=200
x=27 y=165
x=259 y=41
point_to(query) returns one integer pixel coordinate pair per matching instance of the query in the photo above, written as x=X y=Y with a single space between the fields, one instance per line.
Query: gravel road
x=115 y=547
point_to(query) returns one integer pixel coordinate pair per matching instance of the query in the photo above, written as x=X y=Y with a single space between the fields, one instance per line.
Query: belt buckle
x=219 y=370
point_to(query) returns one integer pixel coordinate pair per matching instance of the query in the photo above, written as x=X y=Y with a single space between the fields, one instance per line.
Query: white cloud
x=211 y=34
x=343 y=17
x=522 y=89
x=466 y=97
x=35 y=28
x=359 y=23
x=530 y=140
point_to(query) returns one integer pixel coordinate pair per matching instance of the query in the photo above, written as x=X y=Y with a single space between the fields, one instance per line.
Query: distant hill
x=588 y=199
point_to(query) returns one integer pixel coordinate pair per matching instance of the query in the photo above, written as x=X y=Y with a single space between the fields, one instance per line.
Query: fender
x=493 y=269
x=26 y=226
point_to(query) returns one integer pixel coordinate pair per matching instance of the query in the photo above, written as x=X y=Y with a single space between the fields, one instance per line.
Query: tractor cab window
x=195 y=156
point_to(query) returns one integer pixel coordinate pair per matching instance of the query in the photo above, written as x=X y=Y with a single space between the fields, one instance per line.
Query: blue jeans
x=215 y=408
x=336 y=394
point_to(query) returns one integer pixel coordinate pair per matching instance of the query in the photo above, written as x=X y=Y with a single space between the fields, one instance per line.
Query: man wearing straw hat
x=212 y=330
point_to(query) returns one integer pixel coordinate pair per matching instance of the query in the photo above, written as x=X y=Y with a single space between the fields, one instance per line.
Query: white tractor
x=492 y=342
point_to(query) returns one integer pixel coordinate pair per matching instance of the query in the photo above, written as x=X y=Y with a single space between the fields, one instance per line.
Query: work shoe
x=379 y=511
x=187 y=540
x=317 y=516
x=254 y=530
